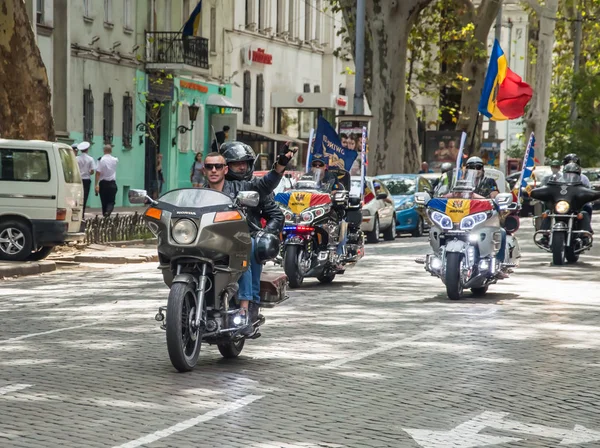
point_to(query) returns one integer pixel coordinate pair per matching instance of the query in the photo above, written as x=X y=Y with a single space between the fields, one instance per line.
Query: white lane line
x=31 y=335
x=187 y=424
x=13 y=388
x=361 y=355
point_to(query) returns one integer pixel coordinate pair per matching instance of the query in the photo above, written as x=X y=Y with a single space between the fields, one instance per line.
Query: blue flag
x=329 y=146
x=528 y=161
x=192 y=25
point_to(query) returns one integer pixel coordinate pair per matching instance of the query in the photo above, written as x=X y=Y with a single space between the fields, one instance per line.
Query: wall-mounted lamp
x=142 y=127
x=193 y=111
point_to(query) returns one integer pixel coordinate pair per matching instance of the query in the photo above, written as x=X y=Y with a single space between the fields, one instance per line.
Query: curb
x=149 y=242
x=27 y=268
x=108 y=259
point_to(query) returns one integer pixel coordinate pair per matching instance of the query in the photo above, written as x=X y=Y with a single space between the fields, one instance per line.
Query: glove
x=283 y=158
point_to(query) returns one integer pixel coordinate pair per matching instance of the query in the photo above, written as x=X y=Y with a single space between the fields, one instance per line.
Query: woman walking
x=196 y=176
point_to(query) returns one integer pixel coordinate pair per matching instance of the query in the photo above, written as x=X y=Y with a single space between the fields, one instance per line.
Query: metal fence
x=116 y=228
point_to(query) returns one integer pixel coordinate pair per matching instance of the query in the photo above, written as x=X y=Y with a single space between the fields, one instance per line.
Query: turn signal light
x=228 y=216
x=154 y=213
x=544 y=215
x=61 y=214
x=580 y=216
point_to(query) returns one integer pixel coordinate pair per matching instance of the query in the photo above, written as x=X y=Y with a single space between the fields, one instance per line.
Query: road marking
x=466 y=435
x=58 y=330
x=361 y=355
x=13 y=388
x=187 y=424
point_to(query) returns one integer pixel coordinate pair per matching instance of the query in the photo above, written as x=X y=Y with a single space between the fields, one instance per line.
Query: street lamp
x=193 y=111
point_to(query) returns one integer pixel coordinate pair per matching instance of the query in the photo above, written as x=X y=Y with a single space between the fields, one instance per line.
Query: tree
x=538 y=111
x=25 y=111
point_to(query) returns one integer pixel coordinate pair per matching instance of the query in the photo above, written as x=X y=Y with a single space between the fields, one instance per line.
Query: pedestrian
x=221 y=137
x=87 y=166
x=106 y=181
x=425 y=168
x=74 y=148
x=160 y=180
x=197 y=173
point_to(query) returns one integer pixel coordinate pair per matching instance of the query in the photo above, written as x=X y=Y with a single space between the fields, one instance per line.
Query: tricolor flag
x=192 y=25
x=504 y=94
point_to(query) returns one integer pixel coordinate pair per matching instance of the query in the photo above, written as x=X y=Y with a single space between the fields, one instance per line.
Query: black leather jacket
x=267 y=207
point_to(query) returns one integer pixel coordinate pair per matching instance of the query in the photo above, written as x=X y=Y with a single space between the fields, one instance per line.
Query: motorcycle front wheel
x=454 y=286
x=292 y=265
x=183 y=342
x=558 y=248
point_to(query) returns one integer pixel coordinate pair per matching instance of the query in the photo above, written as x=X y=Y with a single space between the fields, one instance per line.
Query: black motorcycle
x=204 y=246
x=564 y=236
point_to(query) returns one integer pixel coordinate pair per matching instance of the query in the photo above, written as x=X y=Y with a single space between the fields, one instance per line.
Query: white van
x=41 y=198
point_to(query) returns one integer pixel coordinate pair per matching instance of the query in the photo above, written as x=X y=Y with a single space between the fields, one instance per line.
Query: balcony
x=170 y=50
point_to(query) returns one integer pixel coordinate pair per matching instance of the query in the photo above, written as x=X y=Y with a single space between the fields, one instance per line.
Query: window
x=186 y=11
x=318 y=14
x=70 y=166
x=307 y=20
x=108 y=120
x=260 y=100
x=127 y=120
x=291 y=18
x=213 y=29
x=87 y=8
x=248 y=10
x=107 y=11
x=261 y=15
x=88 y=114
x=280 y=17
x=39 y=12
x=127 y=14
x=24 y=165
x=247 y=94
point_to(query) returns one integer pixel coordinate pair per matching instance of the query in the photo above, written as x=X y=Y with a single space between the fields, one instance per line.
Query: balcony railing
x=170 y=47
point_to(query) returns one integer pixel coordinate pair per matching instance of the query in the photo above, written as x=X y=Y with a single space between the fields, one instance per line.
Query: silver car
x=379 y=215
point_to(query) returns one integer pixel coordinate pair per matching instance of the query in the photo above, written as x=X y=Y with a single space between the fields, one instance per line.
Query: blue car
x=403 y=187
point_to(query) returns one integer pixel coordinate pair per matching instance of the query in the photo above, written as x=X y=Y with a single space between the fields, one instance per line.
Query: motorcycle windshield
x=309 y=191
x=311 y=181
x=195 y=198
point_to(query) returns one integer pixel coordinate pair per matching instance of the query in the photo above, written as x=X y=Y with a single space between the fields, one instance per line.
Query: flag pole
x=472 y=145
x=310 y=142
x=363 y=163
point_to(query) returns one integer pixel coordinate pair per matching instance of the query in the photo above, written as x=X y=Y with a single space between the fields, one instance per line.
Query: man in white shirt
x=87 y=166
x=106 y=180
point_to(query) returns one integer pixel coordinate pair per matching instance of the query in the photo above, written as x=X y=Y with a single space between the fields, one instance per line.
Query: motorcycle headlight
x=184 y=231
x=289 y=216
x=405 y=205
x=441 y=220
x=307 y=217
x=562 y=207
x=471 y=221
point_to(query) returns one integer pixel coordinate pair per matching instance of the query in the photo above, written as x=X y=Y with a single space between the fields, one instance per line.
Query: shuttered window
x=247 y=96
x=88 y=114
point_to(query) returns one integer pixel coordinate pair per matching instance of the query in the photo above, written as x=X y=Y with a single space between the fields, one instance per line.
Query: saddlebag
x=273 y=289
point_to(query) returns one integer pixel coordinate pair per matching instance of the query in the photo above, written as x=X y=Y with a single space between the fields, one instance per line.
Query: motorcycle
x=204 y=246
x=321 y=235
x=466 y=237
x=565 y=238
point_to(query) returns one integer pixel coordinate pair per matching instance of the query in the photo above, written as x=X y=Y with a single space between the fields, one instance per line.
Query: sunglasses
x=214 y=166
x=318 y=165
x=475 y=167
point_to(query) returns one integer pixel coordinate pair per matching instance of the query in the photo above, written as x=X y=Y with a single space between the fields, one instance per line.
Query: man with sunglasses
x=485 y=186
x=215 y=171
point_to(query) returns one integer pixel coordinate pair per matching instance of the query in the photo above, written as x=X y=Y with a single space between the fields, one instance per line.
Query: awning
x=262 y=136
x=221 y=101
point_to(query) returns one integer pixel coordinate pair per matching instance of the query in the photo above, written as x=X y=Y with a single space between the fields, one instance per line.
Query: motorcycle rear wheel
x=558 y=248
x=292 y=266
x=454 y=286
x=231 y=349
x=183 y=343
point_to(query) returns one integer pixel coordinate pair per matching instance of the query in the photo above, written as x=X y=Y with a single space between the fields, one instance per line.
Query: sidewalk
x=91 y=212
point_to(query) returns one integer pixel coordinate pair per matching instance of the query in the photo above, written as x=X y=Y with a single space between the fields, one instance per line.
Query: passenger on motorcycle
x=442 y=185
x=267 y=246
x=574 y=158
x=240 y=160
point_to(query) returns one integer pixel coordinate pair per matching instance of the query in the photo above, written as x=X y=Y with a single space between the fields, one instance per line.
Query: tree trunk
x=539 y=107
x=474 y=69
x=412 y=155
x=25 y=111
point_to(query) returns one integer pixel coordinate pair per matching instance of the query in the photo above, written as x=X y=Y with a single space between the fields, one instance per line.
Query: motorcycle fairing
x=298 y=201
x=457 y=209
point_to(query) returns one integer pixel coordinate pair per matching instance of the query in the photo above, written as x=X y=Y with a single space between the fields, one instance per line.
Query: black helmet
x=571 y=158
x=266 y=246
x=447 y=166
x=572 y=168
x=238 y=152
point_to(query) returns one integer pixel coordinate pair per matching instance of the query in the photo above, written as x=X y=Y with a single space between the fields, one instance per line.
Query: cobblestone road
x=380 y=358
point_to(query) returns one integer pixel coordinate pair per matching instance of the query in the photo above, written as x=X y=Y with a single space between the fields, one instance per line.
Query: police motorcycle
x=466 y=237
x=321 y=235
x=204 y=246
x=566 y=236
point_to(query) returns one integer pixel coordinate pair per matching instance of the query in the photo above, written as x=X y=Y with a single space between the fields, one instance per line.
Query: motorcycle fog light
x=436 y=263
x=237 y=320
x=184 y=231
x=474 y=238
x=484 y=265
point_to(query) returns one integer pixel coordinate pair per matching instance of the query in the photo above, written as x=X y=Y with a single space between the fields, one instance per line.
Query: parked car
x=403 y=187
x=378 y=210
x=41 y=198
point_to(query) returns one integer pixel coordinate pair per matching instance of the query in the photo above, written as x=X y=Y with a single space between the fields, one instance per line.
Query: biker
x=320 y=169
x=240 y=159
x=215 y=169
x=444 y=180
x=574 y=158
x=555 y=166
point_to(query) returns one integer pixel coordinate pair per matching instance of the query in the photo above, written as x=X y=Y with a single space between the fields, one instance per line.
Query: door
x=152 y=150
x=218 y=121
x=70 y=187
x=387 y=206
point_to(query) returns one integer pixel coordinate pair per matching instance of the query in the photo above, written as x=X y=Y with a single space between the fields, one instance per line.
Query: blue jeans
x=250 y=280
x=501 y=253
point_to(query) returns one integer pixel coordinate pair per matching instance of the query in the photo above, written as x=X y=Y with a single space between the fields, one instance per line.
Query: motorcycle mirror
x=422 y=198
x=504 y=199
x=248 y=198
x=138 y=196
x=382 y=196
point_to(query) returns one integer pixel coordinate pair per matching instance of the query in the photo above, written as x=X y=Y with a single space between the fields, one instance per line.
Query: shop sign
x=193 y=86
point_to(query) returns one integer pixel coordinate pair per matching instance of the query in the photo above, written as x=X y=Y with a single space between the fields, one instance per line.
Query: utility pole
x=359 y=59
x=576 y=59
x=492 y=132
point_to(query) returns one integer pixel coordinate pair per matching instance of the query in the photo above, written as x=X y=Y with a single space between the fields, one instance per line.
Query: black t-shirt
x=486 y=186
